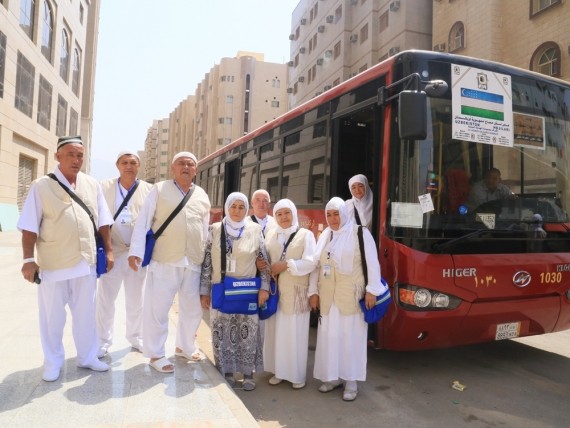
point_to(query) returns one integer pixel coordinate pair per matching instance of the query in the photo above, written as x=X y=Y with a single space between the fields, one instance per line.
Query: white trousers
x=342 y=348
x=107 y=292
x=79 y=295
x=162 y=283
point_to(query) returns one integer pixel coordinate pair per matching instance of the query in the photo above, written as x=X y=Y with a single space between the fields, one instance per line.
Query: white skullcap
x=185 y=155
x=128 y=152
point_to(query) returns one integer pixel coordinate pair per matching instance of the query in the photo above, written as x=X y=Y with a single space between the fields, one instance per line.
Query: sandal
x=349 y=394
x=248 y=384
x=329 y=386
x=196 y=356
x=161 y=364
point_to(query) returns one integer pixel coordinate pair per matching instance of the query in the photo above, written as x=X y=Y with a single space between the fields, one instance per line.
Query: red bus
x=424 y=127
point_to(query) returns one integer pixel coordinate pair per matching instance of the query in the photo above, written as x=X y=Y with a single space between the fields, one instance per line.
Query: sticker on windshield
x=487 y=219
x=482 y=106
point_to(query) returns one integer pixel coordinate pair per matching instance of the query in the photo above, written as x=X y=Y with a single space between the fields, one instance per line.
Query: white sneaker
x=298 y=385
x=51 y=375
x=101 y=352
x=98 y=366
x=275 y=381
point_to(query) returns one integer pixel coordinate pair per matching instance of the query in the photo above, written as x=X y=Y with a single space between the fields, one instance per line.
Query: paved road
x=523 y=383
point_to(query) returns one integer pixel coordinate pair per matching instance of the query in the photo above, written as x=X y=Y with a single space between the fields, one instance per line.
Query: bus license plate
x=508 y=330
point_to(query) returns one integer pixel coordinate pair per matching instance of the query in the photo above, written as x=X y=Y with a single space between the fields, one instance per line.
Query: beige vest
x=135 y=203
x=244 y=251
x=184 y=234
x=344 y=290
x=293 y=290
x=66 y=231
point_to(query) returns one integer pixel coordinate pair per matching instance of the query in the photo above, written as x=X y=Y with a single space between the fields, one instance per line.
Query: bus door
x=231 y=177
x=355 y=150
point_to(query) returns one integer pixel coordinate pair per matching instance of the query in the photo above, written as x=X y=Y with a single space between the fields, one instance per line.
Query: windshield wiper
x=447 y=244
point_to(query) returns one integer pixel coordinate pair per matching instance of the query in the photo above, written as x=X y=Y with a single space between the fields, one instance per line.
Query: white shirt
x=31 y=218
x=143 y=224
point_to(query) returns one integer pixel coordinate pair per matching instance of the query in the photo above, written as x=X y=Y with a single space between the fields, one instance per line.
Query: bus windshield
x=449 y=195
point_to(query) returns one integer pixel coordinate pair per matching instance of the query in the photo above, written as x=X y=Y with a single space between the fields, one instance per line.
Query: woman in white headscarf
x=359 y=206
x=291 y=256
x=237 y=340
x=336 y=287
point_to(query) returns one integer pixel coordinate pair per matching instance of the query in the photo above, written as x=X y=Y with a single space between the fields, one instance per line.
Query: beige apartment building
x=530 y=34
x=47 y=73
x=332 y=41
x=155 y=164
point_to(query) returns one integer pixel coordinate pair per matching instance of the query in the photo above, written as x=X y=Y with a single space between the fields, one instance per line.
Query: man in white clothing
x=63 y=233
x=125 y=196
x=176 y=261
x=260 y=202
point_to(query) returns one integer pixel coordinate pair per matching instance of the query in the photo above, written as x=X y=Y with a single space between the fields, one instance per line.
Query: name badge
x=230 y=265
x=125 y=217
x=327 y=271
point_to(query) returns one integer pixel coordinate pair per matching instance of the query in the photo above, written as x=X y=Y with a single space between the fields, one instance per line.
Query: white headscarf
x=364 y=205
x=287 y=203
x=341 y=246
x=233 y=228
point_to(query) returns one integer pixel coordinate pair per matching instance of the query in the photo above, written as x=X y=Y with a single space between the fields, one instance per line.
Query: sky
x=150 y=58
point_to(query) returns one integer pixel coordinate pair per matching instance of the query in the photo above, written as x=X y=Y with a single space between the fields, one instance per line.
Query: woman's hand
x=262 y=297
x=314 y=302
x=205 y=302
x=278 y=267
x=369 y=300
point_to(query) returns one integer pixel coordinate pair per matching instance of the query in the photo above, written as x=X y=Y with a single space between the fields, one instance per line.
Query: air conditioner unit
x=320 y=61
x=353 y=38
x=394 y=6
x=321 y=29
x=301 y=79
x=439 y=47
x=330 y=19
x=328 y=54
x=291 y=36
x=289 y=90
x=327 y=87
x=394 y=50
x=353 y=2
x=303 y=21
x=302 y=50
x=291 y=63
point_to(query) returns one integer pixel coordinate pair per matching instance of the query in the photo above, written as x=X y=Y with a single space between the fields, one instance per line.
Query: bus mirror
x=412 y=115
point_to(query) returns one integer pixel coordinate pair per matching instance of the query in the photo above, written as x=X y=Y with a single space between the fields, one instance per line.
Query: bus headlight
x=420 y=298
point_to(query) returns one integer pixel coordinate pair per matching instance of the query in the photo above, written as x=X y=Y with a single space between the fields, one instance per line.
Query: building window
x=25 y=75
x=337 y=50
x=76 y=71
x=336 y=81
x=296 y=60
x=26 y=174
x=27 y=17
x=537 y=6
x=363 y=68
x=315 y=41
x=81 y=13
x=2 y=62
x=456 y=37
x=276 y=83
x=61 y=124
x=64 y=55
x=338 y=14
x=297 y=33
x=73 y=122
x=44 y=103
x=274 y=103
x=383 y=21
x=546 y=59
x=47 y=30
x=229 y=99
x=364 y=34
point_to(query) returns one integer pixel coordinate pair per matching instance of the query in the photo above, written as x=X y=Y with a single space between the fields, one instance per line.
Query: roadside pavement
x=131 y=394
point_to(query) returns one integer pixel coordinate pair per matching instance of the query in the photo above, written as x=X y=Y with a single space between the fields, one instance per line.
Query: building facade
x=530 y=34
x=47 y=73
x=332 y=41
x=156 y=164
